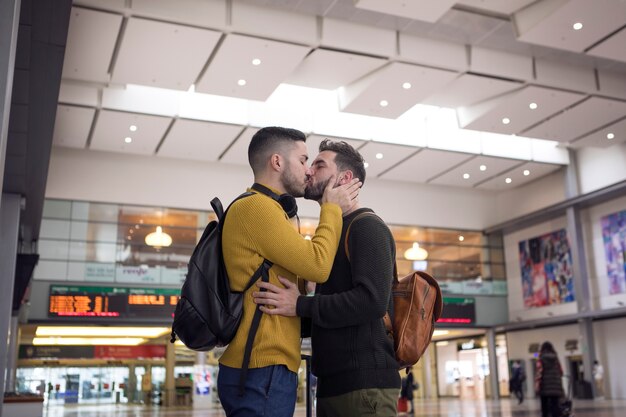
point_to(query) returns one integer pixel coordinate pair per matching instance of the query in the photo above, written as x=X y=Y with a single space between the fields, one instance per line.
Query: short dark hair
x=268 y=141
x=346 y=157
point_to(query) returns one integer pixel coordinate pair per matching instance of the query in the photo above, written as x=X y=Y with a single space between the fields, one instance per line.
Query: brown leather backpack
x=417 y=305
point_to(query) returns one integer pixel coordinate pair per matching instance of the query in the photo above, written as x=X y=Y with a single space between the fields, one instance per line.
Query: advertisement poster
x=546 y=267
x=614 y=239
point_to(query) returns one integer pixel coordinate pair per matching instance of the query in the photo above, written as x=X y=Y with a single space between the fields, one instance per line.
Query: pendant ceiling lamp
x=158 y=239
x=415 y=253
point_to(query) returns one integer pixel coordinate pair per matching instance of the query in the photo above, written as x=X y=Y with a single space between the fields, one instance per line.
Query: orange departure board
x=85 y=301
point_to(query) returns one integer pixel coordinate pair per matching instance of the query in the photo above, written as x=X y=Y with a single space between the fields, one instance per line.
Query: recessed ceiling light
x=577 y=26
x=365 y=164
x=406 y=86
x=532 y=106
x=526 y=172
x=128 y=139
x=241 y=82
x=256 y=61
x=379 y=155
x=383 y=103
x=610 y=136
x=483 y=167
x=133 y=128
x=466 y=176
x=508 y=180
x=506 y=121
x=461 y=238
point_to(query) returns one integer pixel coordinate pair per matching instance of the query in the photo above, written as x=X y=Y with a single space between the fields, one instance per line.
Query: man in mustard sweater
x=257 y=229
x=353 y=358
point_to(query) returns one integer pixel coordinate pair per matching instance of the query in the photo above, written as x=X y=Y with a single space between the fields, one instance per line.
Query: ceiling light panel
x=211 y=14
x=424 y=165
x=392 y=154
x=425 y=10
x=611 y=48
x=238 y=152
x=203 y=141
x=498 y=6
x=332 y=69
x=537 y=170
x=549 y=23
x=233 y=62
x=599 y=138
x=364 y=96
x=91 y=39
x=433 y=52
x=112 y=127
x=72 y=125
x=488 y=116
x=469 y=89
x=162 y=54
x=313 y=143
x=494 y=167
x=578 y=121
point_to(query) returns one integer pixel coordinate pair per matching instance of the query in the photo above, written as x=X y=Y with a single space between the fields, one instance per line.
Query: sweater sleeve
x=277 y=241
x=372 y=253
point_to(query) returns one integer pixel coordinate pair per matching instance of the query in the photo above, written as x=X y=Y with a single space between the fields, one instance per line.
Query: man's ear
x=276 y=162
x=346 y=177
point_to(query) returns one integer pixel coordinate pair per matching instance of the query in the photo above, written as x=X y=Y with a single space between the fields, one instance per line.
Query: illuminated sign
x=84 y=301
x=458 y=310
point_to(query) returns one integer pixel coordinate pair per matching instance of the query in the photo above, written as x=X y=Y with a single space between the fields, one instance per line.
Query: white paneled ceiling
x=581 y=119
x=90 y=43
x=72 y=126
x=237 y=153
x=160 y=54
x=328 y=69
x=475 y=170
x=113 y=127
x=469 y=89
x=426 y=10
x=605 y=137
x=194 y=139
x=326 y=66
x=518 y=109
x=392 y=90
x=426 y=164
x=250 y=68
x=517 y=176
x=551 y=23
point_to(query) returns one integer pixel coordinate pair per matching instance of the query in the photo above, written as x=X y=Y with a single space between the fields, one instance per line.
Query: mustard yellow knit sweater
x=256 y=227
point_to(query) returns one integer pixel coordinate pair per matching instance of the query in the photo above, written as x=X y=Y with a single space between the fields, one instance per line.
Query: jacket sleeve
x=372 y=257
x=277 y=241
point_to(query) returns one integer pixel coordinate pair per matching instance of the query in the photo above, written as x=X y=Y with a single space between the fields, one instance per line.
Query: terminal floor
x=431 y=408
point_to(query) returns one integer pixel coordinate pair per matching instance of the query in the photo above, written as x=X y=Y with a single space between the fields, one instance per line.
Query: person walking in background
x=516 y=383
x=598 y=378
x=408 y=386
x=548 y=383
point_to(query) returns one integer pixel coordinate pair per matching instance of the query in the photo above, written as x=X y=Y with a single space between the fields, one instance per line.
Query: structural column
x=9 y=225
x=493 y=364
x=170 y=381
x=428 y=379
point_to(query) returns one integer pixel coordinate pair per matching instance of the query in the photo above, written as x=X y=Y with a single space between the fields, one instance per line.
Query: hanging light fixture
x=158 y=239
x=415 y=253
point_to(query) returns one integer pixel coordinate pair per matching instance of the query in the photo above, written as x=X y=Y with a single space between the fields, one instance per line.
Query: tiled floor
x=440 y=408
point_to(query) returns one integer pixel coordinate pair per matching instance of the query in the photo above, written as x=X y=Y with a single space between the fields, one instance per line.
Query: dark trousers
x=360 y=403
x=519 y=394
x=550 y=406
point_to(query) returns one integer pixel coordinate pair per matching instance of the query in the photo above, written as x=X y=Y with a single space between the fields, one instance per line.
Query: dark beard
x=315 y=192
x=290 y=184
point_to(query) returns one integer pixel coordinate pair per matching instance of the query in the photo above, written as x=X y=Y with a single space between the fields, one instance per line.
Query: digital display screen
x=84 y=301
x=458 y=310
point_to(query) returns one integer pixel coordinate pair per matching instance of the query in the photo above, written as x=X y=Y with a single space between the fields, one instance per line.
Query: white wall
x=610 y=342
x=598 y=168
x=148 y=180
x=517 y=311
x=531 y=197
x=596 y=258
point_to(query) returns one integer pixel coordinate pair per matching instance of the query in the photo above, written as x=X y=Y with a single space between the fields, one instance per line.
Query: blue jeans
x=270 y=391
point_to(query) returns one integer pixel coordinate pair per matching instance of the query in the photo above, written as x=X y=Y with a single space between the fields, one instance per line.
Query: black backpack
x=209 y=312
